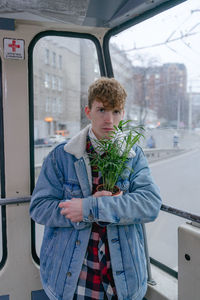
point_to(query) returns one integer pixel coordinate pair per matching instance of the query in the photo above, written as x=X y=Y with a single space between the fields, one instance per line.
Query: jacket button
x=78 y=242
x=114 y=240
x=90 y=217
x=69 y=274
x=119 y=272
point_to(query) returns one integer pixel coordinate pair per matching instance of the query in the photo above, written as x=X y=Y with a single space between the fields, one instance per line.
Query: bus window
x=158 y=62
x=63 y=68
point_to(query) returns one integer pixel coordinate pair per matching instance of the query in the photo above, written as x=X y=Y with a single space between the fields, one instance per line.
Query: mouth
x=107 y=129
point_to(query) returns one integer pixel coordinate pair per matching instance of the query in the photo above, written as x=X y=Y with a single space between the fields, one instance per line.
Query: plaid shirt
x=96 y=280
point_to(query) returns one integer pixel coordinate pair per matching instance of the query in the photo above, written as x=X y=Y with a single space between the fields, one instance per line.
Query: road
x=163 y=139
x=178 y=180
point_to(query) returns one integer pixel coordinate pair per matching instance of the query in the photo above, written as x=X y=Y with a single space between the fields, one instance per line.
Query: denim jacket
x=66 y=174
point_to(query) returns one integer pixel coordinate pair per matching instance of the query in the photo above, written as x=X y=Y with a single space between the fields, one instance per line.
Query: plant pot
x=116 y=192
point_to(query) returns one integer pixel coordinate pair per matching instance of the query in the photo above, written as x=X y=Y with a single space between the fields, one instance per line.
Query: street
x=178 y=180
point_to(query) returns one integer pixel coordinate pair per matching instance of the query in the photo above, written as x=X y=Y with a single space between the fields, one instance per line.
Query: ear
x=87 y=112
x=123 y=112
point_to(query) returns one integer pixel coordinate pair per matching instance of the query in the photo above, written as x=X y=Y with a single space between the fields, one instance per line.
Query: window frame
x=31 y=104
x=109 y=69
x=2 y=176
x=141 y=18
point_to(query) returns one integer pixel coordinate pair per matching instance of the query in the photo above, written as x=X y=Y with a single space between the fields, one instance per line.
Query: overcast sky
x=175 y=23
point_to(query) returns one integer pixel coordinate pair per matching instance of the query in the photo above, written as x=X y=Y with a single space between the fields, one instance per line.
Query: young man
x=93 y=246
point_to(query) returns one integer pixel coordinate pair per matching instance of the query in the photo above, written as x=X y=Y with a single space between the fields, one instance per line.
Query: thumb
x=102 y=193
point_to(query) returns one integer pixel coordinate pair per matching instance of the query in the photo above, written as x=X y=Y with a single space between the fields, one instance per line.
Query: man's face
x=103 y=119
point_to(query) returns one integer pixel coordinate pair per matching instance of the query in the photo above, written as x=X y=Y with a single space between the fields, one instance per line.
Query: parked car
x=42 y=142
x=56 y=139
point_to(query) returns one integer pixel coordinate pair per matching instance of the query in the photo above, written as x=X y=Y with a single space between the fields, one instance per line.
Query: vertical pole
x=149 y=279
x=190 y=109
x=178 y=112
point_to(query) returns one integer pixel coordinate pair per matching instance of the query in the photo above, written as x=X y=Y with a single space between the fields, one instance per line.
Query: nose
x=108 y=118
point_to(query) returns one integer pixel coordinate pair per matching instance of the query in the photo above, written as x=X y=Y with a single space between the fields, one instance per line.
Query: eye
x=116 y=112
x=101 y=109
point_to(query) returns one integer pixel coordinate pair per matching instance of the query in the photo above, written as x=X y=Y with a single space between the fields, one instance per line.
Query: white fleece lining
x=77 y=144
x=77 y=147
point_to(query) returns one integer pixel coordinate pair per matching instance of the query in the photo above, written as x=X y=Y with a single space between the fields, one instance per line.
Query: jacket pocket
x=142 y=269
x=47 y=249
x=136 y=245
x=61 y=260
x=72 y=190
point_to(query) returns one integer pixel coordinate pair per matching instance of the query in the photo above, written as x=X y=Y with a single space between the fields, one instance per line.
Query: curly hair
x=108 y=91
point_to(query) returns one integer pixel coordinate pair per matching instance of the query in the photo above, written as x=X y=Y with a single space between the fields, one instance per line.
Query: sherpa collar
x=77 y=145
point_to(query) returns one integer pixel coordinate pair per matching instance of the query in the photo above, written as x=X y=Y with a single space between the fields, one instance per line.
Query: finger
x=61 y=204
x=102 y=193
x=64 y=211
x=120 y=194
x=64 y=204
x=76 y=219
x=79 y=199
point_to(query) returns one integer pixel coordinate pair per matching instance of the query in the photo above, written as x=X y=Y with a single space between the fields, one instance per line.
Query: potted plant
x=113 y=153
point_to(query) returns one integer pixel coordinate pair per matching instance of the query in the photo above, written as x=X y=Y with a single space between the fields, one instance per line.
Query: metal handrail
x=180 y=213
x=150 y=279
x=19 y=200
x=165 y=208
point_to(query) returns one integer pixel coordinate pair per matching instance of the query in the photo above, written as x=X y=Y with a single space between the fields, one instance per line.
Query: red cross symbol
x=13 y=46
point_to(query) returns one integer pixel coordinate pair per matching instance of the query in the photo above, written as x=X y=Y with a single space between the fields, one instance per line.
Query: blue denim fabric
x=63 y=177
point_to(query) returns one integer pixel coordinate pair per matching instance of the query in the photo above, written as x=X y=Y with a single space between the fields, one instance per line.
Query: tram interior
x=152 y=48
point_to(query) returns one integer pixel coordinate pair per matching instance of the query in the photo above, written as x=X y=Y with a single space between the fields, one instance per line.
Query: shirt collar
x=93 y=140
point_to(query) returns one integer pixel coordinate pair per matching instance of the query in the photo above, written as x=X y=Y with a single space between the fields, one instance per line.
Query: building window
x=59 y=105
x=48 y=104
x=60 y=83
x=54 y=82
x=47 y=80
x=54 y=59
x=47 y=56
x=60 y=61
x=54 y=105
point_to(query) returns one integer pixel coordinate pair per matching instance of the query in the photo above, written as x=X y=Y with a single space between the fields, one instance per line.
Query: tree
x=144 y=81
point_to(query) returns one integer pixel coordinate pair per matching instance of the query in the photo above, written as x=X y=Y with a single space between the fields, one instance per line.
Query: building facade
x=63 y=69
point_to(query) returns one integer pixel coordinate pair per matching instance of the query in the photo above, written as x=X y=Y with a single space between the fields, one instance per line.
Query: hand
x=105 y=193
x=72 y=209
x=102 y=193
